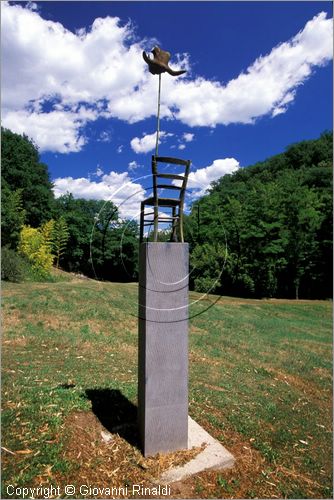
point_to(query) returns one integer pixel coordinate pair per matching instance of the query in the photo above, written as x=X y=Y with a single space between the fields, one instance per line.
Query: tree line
x=266 y=230
x=263 y=231
x=83 y=236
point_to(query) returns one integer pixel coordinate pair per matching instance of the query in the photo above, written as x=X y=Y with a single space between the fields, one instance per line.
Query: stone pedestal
x=163 y=347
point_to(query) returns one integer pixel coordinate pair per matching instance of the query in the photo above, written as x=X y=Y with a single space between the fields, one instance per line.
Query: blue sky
x=259 y=77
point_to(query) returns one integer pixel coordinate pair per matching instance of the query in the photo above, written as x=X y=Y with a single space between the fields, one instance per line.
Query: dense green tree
x=99 y=244
x=22 y=170
x=119 y=257
x=80 y=216
x=265 y=230
x=276 y=219
x=12 y=215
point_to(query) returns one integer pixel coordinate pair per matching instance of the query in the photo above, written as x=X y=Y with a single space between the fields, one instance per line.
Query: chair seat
x=163 y=202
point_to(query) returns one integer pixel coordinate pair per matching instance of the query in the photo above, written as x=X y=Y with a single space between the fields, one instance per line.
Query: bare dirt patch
x=106 y=459
x=214 y=387
x=128 y=349
x=196 y=357
x=305 y=386
x=11 y=321
x=236 y=482
x=118 y=463
x=195 y=329
x=20 y=341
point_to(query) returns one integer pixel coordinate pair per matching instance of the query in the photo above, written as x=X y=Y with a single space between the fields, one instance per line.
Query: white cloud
x=127 y=194
x=45 y=63
x=267 y=86
x=120 y=148
x=98 y=173
x=133 y=165
x=200 y=180
x=115 y=187
x=105 y=136
x=188 y=137
x=32 y=6
x=58 y=131
x=102 y=67
x=147 y=142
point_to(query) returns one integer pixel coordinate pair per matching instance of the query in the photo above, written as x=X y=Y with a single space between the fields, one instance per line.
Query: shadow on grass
x=65 y=386
x=116 y=413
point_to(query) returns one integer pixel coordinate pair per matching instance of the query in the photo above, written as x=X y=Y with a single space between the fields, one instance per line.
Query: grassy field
x=260 y=382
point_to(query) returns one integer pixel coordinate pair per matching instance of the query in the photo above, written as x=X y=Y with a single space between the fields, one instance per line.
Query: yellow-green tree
x=36 y=245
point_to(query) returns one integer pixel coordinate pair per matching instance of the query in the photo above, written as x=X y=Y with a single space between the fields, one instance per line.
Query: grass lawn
x=260 y=382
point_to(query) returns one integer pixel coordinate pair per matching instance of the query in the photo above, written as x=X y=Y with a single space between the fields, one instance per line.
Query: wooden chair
x=156 y=201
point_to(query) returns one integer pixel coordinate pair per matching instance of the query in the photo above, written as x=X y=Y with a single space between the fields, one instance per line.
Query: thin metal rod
x=158 y=117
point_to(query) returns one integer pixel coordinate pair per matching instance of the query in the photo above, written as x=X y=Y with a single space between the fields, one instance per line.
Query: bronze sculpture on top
x=177 y=182
x=159 y=63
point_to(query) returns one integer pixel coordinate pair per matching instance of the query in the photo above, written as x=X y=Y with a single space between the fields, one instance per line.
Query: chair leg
x=142 y=209
x=181 y=224
x=174 y=224
x=155 y=223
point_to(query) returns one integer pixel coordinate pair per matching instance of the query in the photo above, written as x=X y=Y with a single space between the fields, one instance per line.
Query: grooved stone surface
x=213 y=457
x=163 y=347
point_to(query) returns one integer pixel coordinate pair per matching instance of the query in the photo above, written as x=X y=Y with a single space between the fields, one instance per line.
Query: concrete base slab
x=213 y=457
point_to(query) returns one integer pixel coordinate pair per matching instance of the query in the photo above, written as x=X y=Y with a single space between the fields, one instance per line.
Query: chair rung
x=171 y=176
x=163 y=219
x=175 y=161
x=168 y=186
x=163 y=202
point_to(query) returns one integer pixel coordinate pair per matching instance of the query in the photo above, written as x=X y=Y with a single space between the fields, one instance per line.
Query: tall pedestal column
x=163 y=347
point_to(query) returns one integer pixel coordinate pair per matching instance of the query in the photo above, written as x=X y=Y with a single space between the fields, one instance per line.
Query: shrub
x=13 y=266
x=36 y=245
x=206 y=284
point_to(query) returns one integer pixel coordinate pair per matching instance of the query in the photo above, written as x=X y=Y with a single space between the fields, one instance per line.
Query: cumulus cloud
x=105 y=136
x=44 y=63
x=147 y=142
x=115 y=187
x=188 y=137
x=127 y=194
x=133 y=165
x=59 y=131
x=101 y=70
x=200 y=180
x=267 y=87
x=32 y=6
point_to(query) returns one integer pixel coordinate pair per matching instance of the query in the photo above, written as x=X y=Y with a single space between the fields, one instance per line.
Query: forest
x=263 y=231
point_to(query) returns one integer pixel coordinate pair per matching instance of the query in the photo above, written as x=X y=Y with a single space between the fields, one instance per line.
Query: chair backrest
x=163 y=180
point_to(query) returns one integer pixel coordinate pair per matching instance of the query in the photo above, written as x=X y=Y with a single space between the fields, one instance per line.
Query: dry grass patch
x=107 y=459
